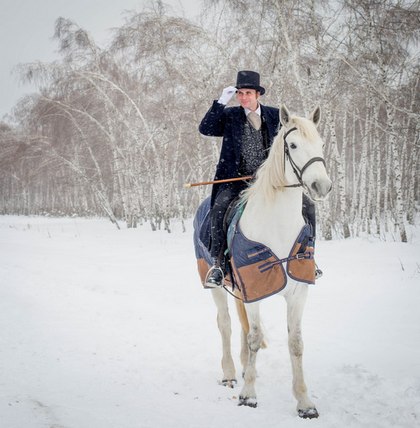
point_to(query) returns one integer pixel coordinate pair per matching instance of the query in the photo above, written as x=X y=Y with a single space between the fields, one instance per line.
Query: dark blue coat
x=228 y=122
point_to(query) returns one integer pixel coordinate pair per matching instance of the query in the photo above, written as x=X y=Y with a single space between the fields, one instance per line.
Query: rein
x=298 y=171
x=234 y=285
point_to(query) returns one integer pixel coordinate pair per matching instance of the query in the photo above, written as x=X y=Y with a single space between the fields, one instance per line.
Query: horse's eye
x=293 y=146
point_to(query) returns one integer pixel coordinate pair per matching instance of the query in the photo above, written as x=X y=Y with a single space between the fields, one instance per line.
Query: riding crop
x=226 y=180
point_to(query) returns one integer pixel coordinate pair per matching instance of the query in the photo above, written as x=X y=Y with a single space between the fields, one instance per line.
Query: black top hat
x=250 y=80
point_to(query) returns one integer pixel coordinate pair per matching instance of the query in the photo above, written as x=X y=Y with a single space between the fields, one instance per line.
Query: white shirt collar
x=258 y=111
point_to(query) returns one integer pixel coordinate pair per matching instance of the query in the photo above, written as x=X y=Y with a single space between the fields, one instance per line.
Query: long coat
x=228 y=122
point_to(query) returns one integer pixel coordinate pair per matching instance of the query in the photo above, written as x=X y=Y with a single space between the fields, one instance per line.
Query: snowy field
x=103 y=328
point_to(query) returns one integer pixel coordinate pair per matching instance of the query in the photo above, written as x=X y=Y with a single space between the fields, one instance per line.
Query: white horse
x=273 y=216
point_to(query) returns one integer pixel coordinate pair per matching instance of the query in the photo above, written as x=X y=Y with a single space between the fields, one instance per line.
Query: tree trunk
x=399 y=208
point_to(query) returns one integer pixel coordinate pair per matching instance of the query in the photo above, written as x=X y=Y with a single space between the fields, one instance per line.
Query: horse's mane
x=270 y=176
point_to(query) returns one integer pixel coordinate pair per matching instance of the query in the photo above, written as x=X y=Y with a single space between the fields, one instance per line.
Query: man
x=248 y=131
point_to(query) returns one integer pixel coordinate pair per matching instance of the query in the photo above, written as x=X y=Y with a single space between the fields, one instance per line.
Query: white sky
x=27 y=27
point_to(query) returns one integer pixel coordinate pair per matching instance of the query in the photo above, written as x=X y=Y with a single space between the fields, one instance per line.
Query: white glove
x=227 y=94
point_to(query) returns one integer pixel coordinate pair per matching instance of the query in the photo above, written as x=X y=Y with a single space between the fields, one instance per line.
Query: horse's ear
x=316 y=116
x=284 y=115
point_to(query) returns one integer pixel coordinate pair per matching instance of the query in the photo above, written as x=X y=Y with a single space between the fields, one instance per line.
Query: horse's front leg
x=248 y=396
x=295 y=305
x=224 y=324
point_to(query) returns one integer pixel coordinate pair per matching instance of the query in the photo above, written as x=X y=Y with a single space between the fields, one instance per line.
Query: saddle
x=253 y=269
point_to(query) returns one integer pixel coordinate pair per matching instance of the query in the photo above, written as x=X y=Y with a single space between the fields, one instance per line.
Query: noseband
x=298 y=171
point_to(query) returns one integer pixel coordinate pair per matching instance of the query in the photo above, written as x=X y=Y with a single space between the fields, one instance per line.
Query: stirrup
x=211 y=282
x=318 y=272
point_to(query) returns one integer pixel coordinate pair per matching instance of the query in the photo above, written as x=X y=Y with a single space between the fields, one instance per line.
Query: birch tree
x=115 y=130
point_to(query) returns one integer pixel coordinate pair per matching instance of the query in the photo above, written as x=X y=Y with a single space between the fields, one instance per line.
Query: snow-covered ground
x=101 y=328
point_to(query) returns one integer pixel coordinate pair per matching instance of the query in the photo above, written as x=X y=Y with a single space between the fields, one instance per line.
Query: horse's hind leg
x=243 y=319
x=248 y=395
x=295 y=305
x=224 y=324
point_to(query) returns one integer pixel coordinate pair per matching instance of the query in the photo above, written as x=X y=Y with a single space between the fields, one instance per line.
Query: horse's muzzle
x=319 y=189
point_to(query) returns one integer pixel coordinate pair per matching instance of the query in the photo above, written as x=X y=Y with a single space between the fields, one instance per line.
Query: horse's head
x=304 y=161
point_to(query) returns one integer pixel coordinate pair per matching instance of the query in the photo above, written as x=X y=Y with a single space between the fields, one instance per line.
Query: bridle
x=298 y=171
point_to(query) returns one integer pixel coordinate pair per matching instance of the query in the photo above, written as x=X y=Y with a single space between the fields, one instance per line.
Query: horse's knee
x=223 y=320
x=296 y=344
x=255 y=338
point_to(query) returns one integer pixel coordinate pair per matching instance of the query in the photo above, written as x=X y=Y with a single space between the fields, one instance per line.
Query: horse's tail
x=243 y=318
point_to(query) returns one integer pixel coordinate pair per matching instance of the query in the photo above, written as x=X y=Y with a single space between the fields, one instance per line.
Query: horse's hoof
x=229 y=383
x=311 y=413
x=247 y=401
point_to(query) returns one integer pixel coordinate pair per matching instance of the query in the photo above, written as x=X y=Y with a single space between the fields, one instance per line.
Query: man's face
x=248 y=98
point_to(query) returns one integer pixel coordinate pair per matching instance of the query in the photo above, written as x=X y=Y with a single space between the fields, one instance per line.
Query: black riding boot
x=308 y=211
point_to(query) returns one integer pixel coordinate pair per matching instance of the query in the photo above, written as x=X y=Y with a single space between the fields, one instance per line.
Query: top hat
x=250 y=80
